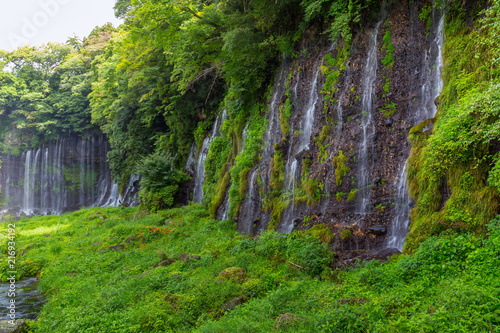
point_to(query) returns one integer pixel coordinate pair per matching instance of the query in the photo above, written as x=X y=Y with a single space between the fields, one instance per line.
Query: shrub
x=160 y=181
x=309 y=253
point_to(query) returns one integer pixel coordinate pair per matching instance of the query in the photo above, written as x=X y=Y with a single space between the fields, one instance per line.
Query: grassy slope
x=450 y=284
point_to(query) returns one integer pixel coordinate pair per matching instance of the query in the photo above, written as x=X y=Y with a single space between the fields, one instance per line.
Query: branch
x=212 y=85
x=296 y=265
x=201 y=74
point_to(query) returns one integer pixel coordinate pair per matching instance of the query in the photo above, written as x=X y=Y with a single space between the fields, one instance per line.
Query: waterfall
x=291 y=166
x=250 y=206
x=251 y=195
x=191 y=159
x=289 y=213
x=399 y=226
x=432 y=84
x=273 y=133
x=59 y=176
x=130 y=195
x=27 y=204
x=202 y=156
x=308 y=121
x=367 y=125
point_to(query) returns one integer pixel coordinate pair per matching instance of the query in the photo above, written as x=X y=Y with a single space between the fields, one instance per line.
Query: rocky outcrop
x=235 y=274
x=329 y=159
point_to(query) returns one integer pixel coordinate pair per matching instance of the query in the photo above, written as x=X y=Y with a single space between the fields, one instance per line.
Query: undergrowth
x=450 y=284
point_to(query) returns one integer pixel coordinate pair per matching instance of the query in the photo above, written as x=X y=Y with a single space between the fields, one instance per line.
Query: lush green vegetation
x=118 y=270
x=461 y=156
x=155 y=85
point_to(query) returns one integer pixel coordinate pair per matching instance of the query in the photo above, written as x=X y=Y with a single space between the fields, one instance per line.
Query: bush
x=160 y=182
x=309 y=253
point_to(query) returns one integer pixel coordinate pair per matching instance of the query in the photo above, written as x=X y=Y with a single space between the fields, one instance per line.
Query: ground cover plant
x=127 y=270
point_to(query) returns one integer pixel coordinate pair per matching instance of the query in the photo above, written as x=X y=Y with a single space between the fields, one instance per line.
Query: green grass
x=450 y=284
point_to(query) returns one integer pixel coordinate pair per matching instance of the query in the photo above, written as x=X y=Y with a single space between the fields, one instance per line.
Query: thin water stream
x=432 y=85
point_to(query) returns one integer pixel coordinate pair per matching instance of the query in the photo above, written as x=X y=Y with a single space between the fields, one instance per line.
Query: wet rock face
x=399 y=84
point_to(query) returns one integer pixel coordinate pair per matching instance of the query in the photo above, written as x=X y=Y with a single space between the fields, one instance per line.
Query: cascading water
x=304 y=141
x=308 y=121
x=130 y=195
x=251 y=205
x=273 y=133
x=432 y=84
x=202 y=156
x=367 y=125
x=58 y=177
x=289 y=213
x=191 y=159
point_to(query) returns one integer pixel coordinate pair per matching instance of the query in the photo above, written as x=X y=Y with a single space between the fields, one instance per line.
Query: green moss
x=306 y=165
x=352 y=195
x=285 y=113
x=333 y=68
x=388 y=109
x=219 y=155
x=322 y=233
x=245 y=160
x=388 y=59
x=417 y=129
x=340 y=168
x=339 y=196
x=456 y=160
x=312 y=190
x=279 y=204
x=387 y=86
x=325 y=133
x=346 y=234
x=235 y=274
x=220 y=193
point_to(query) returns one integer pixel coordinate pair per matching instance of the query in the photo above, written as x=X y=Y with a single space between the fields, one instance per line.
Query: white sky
x=37 y=22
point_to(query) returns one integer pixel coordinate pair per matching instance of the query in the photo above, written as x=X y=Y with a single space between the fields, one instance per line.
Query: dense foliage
x=157 y=82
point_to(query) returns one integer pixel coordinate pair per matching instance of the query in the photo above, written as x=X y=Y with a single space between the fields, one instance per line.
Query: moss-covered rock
x=235 y=274
x=346 y=234
x=321 y=232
